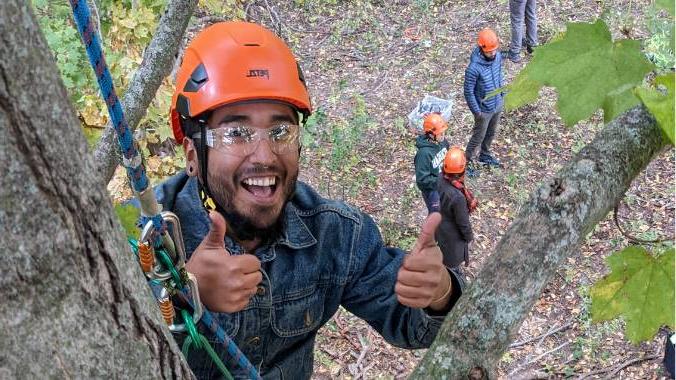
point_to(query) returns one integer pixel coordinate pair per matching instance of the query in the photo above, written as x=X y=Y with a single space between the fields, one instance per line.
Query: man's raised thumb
x=426 y=237
x=215 y=237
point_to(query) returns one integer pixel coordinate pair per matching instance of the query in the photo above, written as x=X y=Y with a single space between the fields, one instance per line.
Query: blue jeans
x=431 y=199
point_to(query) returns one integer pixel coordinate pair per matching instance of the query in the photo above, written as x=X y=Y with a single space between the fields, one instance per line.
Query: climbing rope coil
x=161 y=257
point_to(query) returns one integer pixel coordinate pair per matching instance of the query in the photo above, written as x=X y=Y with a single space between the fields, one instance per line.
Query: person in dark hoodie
x=483 y=75
x=456 y=203
x=432 y=148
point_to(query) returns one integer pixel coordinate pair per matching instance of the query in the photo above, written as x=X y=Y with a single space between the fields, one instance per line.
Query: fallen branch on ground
x=548 y=333
x=615 y=369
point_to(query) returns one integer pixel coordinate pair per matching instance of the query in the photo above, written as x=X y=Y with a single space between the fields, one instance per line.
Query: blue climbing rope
x=133 y=160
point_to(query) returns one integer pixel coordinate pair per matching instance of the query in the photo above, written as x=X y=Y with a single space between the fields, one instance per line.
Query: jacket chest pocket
x=298 y=313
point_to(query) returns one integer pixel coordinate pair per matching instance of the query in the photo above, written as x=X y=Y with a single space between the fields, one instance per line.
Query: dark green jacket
x=428 y=162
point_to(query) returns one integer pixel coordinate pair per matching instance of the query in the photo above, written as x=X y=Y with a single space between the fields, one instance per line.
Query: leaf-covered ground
x=367 y=64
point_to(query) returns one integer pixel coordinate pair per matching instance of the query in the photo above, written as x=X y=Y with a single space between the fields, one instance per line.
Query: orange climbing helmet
x=455 y=161
x=488 y=40
x=434 y=124
x=230 y=62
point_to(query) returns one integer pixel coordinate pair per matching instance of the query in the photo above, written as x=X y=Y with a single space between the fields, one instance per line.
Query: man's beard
x=242 y=227
x=488 y=58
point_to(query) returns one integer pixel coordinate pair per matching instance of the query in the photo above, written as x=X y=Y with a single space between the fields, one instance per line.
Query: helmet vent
x=252 y=45
x=197 y=79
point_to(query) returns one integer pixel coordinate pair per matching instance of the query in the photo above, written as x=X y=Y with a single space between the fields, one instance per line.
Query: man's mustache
x=260 y=169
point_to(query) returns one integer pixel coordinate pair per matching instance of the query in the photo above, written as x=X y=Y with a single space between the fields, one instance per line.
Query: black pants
x=485 y=128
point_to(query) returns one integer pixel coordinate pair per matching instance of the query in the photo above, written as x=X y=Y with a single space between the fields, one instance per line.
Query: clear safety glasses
x=242 y=140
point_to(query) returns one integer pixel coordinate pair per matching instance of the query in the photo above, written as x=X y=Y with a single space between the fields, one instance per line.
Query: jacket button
x=254 y=341
x=260 y=290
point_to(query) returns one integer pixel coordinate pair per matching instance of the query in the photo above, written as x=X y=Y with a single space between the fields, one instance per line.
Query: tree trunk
x=74 y=303
x=550 y=227
x=158 y=59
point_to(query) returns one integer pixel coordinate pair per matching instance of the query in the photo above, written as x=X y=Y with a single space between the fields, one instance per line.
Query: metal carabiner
x=196 y=303
x=174 y=247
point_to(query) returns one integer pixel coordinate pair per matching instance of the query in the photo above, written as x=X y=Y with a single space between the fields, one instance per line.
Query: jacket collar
x=296 y=233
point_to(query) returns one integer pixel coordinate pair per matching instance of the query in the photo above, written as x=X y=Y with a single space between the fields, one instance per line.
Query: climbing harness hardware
x=161 y=259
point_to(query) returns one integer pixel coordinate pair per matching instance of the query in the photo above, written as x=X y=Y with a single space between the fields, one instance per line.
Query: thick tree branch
x=157 y=62
x=550 y=227
x=74 y=302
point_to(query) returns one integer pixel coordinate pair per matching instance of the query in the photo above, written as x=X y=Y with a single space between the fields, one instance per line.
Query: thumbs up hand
x=423 y=280
x=225 y=282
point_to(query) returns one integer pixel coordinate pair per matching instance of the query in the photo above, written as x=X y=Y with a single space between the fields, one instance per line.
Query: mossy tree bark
x=550 y=227
x=74 y=303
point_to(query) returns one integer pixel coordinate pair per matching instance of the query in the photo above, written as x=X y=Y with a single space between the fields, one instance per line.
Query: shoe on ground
x=516 y=58
x=489 y=160
x=529 y=48
x=471 y=171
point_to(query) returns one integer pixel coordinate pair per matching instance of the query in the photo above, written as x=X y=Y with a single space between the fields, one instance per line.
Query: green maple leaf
x=661 y=105
x=588 y=70
x=640 y=287
x=522 y=90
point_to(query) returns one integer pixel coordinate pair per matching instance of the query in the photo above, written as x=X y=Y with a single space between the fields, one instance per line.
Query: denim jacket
x=328 y=255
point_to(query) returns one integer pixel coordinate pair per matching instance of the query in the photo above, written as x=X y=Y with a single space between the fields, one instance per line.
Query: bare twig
x=362 y=354
x=629 y=236
x=342 y=330
x=541 y=336
x=376 y=88
x=362 y=374
x=615 y=369
x=537 y=358
x=274 y=18
x=532 y=375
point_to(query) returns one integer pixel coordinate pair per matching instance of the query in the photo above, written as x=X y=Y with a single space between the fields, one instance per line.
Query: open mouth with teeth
x=260 y=187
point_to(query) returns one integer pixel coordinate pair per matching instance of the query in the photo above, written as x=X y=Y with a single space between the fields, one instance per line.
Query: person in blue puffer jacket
x=483 y=75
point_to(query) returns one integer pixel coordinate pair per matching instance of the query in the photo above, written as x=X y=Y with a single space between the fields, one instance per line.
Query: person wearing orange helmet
x=483 y=75
x=273 y=259
x=428 y=159
x=456 y=203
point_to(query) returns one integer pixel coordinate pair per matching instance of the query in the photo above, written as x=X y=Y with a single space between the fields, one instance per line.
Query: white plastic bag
x=429 y=104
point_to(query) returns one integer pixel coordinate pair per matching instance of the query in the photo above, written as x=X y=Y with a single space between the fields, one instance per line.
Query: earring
x=190 y=169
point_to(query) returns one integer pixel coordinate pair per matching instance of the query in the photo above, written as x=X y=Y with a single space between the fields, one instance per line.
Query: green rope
x=200 y=342
x=166 y=261
x=190 y=325
x=215 y=358
x=194 y=338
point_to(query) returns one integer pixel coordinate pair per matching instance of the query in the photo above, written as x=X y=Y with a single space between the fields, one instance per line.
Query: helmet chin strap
x=202 y=159
x=202 y=153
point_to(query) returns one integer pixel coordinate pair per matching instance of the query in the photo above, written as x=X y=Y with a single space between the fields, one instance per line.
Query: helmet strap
x=191 y=126
x=202 y=154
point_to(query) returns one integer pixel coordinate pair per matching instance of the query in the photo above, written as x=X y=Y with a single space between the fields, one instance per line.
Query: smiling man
x=273 y=259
